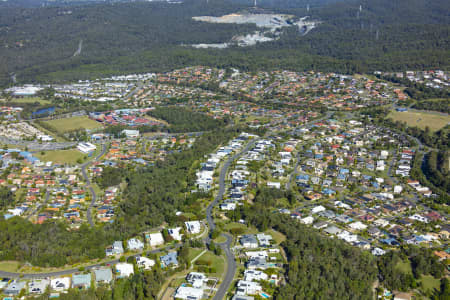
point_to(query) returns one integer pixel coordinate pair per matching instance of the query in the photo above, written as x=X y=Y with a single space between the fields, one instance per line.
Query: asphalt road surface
x=226 y=246
x=88 y=185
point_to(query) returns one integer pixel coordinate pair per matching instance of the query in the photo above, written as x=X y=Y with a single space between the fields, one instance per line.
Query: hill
x=40 y=43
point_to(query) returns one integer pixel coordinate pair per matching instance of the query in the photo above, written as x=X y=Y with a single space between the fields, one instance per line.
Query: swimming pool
x=264 y=295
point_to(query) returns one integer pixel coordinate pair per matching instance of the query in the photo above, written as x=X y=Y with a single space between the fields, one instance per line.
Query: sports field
x=434 y=121
x=68 y=124
x=61 y=156
x=30 y=100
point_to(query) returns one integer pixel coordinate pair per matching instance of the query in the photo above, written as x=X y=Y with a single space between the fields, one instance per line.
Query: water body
x=44 y=111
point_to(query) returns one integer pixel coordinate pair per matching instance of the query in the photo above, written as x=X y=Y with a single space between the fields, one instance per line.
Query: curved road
x=88 y=185
x=226 y=246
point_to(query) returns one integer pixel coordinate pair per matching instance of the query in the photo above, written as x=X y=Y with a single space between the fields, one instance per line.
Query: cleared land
x=434 y=121
x=74 y=123
x=61 y=156
x=429 y=283
x=30 y=100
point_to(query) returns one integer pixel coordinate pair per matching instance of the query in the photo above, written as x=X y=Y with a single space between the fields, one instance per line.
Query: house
x=81 y=281
x=14 y=288
x=196 y=279
x=144 y=262
x=154 y=239
x=228 y=206
x=170 y=259
x=307 y=220
x=38 y=286
x=255 y=263
x=60 y=284
x=444 y=232
x=402 y=296
x=241 y=297
x=193 y=227
x=124 y=270
x=378 y=252
x=332 y=230
x=317 y=209
x=357 y=226
x=254 y=275
x=264 y=239
x=135 y=244
x=131 y=134
x=275 y=185
x=188 y=293
x=103 y=275
x=248 y=288
x=115 y=249
x=249 y=241
x=175 y=233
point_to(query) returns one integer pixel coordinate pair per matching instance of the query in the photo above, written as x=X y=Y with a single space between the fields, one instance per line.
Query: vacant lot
x=421 y=119
x=74 y=123
x=30 y=100
x=61 y=156
x=429 y=283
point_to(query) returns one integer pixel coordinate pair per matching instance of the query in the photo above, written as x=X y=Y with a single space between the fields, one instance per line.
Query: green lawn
x=217 y=262
x=193 y=252
x=421 y=119
x=247 y=230
x=68 y=124
x=220 y=239
x=31 y=100
x=429 y=283
x=61 y=156
x=278 y=237
x=9 y=266
x=405 y=267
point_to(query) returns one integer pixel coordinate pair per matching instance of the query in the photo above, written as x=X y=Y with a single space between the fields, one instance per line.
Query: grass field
x=193 y=252
x=429 y=282
x=9 y=266
x=61 y=156
x=69 y=124
x=421 y=119
x=217 y=262
x=278 y=237
x=405 y=267
x=30 y=100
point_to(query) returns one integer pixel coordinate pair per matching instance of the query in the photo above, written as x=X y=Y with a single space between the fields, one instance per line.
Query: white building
x=124 y=270
x=193 y=227
x=188 y=293
x=175 y=233
x=248 y=288
x=155 y=239
x=145 y=262
x=86 y=147
x=131 y=133
x=60 y=284
x=254 y=275
x=135 y=244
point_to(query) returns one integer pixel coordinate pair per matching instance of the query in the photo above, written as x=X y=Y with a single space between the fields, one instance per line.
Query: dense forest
x=441 y=105
x=183 y=120
x=38 y=43
x=436 y=169
x=155 y=193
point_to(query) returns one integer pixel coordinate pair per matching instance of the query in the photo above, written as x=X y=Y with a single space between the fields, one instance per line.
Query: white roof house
x=248 y=288
x=124 y=270
x=135 y=244
x=175 y=233
x=196 y=279
x=193 y=227
x=307 y=220
x=358 y=226
x=60 y=284
x=155 y=239
x=38 y=286
x=252 y=275
x=188 y=293
x=130 y=133
x=145 y=262
x=318 y=209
